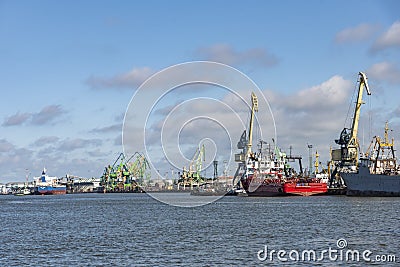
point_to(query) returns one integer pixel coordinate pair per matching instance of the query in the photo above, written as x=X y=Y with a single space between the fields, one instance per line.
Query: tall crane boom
x=254 y=108
x=348 y=137
x=356 y=118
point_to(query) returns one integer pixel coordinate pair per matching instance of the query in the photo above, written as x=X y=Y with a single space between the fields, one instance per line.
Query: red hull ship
x=256 y=187
x=261 y=174
x=267 y=174
x=305 y=188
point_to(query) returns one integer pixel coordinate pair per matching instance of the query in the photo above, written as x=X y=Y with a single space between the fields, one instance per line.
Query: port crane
x=125 y=174
x=347 y=155
x=245 y=143
x=138 y=167
x=349 y=150
x=192 y=175
x=254 y=108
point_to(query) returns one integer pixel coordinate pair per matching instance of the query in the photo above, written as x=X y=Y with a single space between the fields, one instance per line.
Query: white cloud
x=129 y=80
x=355 y=34
x=59 y=156
x=313 y=115
x=327 y=94
x=390 y=38
x=385 y=71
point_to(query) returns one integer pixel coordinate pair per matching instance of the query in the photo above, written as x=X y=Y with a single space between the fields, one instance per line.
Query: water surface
x=136 y=230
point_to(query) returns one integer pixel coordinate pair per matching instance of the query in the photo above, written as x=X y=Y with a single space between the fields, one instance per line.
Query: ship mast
x=254 y=108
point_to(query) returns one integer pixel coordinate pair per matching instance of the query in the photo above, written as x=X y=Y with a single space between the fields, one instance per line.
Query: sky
x=70 y=70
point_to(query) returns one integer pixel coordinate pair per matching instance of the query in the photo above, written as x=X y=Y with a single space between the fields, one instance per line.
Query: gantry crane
x=125 y=174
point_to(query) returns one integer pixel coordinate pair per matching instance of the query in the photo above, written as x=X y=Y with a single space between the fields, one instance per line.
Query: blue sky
x=69 y=70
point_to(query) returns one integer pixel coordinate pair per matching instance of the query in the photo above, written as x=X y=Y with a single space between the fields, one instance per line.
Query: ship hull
x=260 y=189
x=50 y=190
x=305 y=189
x=364 y=183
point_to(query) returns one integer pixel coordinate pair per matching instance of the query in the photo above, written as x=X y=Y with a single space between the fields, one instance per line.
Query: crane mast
x=254 y=108
x=348 y=137
x=356 y=118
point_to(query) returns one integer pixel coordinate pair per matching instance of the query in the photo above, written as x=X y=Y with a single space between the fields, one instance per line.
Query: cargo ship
x=375 y=173
x=46 y=185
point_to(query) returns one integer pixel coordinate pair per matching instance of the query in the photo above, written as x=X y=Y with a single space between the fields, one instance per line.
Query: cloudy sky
x=69 y=71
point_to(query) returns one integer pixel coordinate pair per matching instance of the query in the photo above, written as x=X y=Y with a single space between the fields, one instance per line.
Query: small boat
x=23 y=192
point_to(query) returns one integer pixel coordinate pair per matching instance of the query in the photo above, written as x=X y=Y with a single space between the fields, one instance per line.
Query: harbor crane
x=245 y=143
x=349 y=150
x=192 y=176
x=347 y=155
x=125 y=174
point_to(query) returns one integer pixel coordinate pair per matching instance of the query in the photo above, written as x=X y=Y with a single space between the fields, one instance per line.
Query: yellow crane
x=254 y=108
x=348 y=153
x=245 y=143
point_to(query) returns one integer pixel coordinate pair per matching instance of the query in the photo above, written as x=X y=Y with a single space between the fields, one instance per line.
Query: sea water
x=137 y=230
